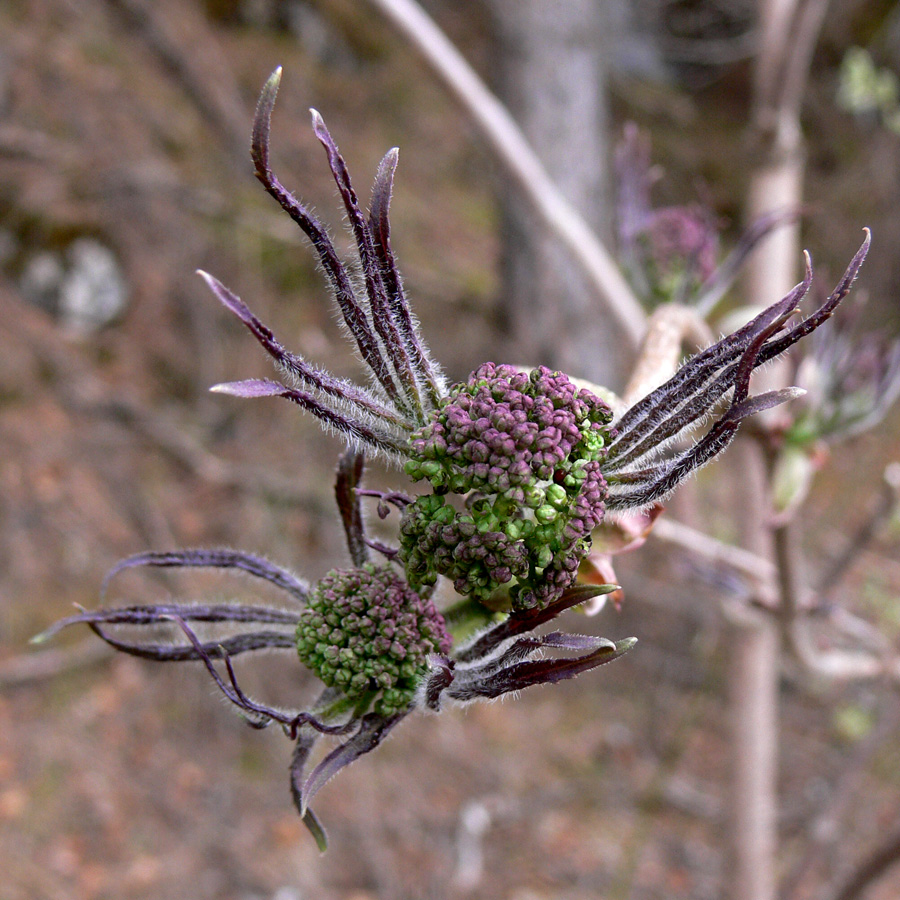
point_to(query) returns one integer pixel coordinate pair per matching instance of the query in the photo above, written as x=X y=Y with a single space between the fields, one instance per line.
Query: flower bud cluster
x=682 y=240
x=365 y=630
x=525 y=450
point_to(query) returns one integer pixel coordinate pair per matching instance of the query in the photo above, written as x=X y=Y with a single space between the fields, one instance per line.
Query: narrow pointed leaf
x=233 y=646
x=376 y=291
x=316 y=829
x=768 y=400
x=560 y=640
x=344 y=391
x=523 y=621
x=825 y=311
x=545 y=671
x=218 y=558
x=262 y=122
x=251 y=388
x=393 y=445
x=650 y=413
x=379 y=225
x=372 y=731
x=349 y=476
x=154 y=615
x=353 y=313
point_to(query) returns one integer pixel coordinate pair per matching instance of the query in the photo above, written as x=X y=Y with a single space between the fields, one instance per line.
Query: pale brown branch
x=881 y=511
x=29 y=667
x=759 y=571
x=669 y=328
x=777 y=589
x=837 y=665
x=517 y=156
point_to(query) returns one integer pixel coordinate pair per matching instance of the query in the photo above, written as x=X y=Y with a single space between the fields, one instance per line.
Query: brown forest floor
x=121 y=779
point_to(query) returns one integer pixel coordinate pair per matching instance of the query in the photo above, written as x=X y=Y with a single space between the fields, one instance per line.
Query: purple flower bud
x=511 y=436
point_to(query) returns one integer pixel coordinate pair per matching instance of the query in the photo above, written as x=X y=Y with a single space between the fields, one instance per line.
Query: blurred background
x=124 y=129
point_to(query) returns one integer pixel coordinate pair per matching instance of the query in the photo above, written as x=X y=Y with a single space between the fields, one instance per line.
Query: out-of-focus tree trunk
x=753 y=676
x=551 y=73
x=788 y=30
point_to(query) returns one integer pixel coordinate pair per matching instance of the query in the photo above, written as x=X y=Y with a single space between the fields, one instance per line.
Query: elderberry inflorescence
x=517 y=470
x=524 y=450
x=364 y=630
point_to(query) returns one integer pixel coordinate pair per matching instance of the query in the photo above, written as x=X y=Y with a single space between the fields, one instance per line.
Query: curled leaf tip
x=253 y=387
x=311 y=821
x=606 y=589
x=270 y=88
x=212 y=283
x=792 y=393
x=259 y=141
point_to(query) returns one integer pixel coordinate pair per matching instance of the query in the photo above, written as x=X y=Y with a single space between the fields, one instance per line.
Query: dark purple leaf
x=379 y=226
x=696 y=373
x=353 y=313
x=522 y=621
x=373 y=437
x=233 y=646
x=218 y=558
x=559 y=640
x=349 y=475
x=545 y=671
x=376 y=291
x=155 y=614
x=825 y=311
x=372 y=731
x=306 y=741
x=309 y=375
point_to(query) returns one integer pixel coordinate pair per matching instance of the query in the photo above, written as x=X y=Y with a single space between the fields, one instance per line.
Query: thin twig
x=870 y=869
x=198 y=68
x=880 y=512
x=515 y=153
x=825 y=831
x=757 y=569
x=838 y=665
x=28 y=667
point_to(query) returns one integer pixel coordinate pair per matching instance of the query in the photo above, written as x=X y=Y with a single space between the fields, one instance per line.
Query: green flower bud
x=384 y=635
x=523 y=453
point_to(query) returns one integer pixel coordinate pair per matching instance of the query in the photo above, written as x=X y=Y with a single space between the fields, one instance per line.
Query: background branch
x=518 y=158
x=870 y=869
